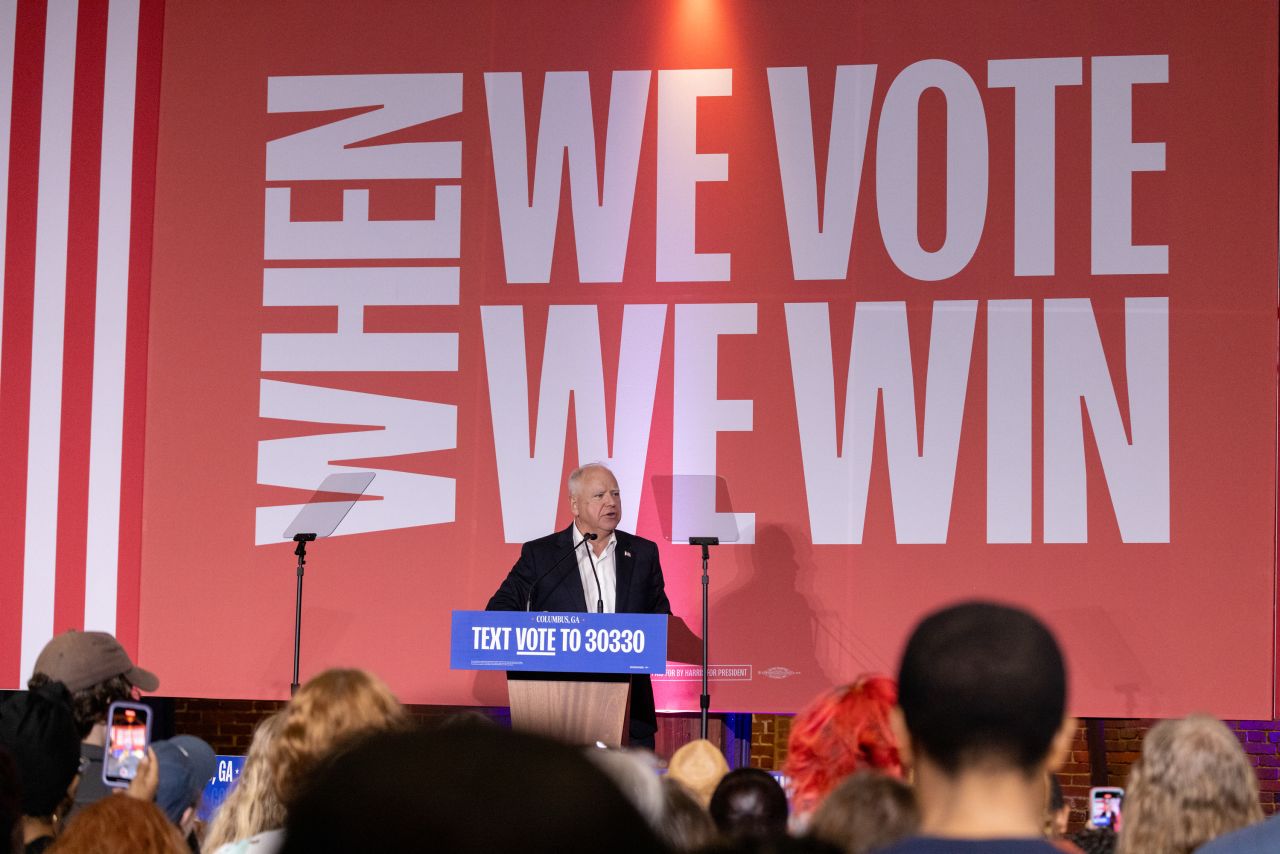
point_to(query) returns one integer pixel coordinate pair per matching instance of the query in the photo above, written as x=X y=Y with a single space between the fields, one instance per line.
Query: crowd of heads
x=51 y=754
x=962 y=746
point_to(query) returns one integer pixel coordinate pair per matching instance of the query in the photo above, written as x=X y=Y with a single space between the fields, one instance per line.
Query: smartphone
x=1104 y=806
x=127 y=738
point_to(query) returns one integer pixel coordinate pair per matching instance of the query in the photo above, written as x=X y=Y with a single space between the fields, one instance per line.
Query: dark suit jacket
x=640 y=590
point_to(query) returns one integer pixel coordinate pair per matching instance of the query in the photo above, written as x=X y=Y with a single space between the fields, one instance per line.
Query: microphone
x=599 y=592
x=528 y=605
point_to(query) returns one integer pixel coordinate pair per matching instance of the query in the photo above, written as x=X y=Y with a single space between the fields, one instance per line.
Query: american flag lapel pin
x=626 y=554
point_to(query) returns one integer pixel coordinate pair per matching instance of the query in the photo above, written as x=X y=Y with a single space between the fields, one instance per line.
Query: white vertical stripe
x=47 y=322
x=8 y=34
x=107 y=416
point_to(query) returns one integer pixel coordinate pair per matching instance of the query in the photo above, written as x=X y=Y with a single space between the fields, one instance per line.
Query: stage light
x=701 y=29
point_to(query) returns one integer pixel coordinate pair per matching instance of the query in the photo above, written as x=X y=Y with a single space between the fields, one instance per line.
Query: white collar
x=608 y=544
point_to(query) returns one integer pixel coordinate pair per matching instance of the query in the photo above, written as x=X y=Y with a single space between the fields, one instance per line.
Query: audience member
x=1095 y=840
x=842 y=731
x=98 y=672
x=699 y=766
x=185 y=765
x=686 y=825
x=10 y=805
x=1192 y=783
x=497 y=791
x=251 y=807
x=1059 y=813
x=867 y=811
x=329 y=712
x=1057 y=818
x=38 y=728
x=981 y=722
x=777 y=844
x=749 y=802
x=635 y=773
x=465 y=717
x=120 y=825
x=1260 y=838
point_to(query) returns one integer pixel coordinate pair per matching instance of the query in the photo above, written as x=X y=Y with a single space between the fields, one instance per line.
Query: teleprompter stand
x=704 y=699
x=316 y=519
x=301 y=552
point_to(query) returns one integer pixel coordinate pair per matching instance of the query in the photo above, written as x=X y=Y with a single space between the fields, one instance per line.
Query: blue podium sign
x=539 y=641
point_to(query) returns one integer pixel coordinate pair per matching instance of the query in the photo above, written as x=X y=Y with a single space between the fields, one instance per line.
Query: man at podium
x=592 y=566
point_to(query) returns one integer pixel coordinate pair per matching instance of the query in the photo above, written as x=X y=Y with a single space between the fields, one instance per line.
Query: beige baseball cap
x=698 y=766
x=81 y=660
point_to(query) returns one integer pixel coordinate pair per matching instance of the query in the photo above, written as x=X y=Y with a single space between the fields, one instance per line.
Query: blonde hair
x=252 y=806
x=1191 y=784
x=331 y=709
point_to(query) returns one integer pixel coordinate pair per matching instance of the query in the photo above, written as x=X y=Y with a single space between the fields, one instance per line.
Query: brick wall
x=1123 y=745
x=769 y=734
x=228 y=726
x=1076 y=778
x=1260 y=740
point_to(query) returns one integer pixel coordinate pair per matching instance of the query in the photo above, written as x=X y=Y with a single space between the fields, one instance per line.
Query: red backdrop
x=1058 y=301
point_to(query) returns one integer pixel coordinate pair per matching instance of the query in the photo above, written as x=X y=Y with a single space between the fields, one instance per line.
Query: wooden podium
x=576 y=712
x=568 y=674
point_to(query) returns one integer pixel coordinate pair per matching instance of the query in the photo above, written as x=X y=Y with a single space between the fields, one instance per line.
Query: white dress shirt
x=605 y=569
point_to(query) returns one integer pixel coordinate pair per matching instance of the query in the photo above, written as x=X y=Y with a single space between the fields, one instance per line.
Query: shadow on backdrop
x=767 y=622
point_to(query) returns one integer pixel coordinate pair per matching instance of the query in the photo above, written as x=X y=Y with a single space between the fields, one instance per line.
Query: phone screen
x=128 y=733
x=1104 y=807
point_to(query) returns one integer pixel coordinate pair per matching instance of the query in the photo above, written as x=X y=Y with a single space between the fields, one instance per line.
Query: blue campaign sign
x=219 y=786
x=540 y=641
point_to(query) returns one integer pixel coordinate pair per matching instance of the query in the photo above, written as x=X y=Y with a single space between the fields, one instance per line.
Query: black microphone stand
x=590 y=560
x=704 y=700
x=528 y=605
x=301 y=552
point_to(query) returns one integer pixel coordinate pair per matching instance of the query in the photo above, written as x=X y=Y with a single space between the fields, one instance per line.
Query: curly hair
x=252 y=806
x=330 y=710
x=1191 y=784
x=89 y=705
x=842 y=731
x=121 y=823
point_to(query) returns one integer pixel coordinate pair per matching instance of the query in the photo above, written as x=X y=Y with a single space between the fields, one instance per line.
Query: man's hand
x=147 y=780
